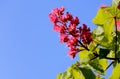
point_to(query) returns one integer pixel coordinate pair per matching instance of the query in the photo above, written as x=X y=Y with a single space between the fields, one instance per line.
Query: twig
x=109 y=65
x=83 y=46
x=112 y=58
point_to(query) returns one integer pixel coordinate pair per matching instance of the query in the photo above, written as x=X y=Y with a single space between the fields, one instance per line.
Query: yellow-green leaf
x=116 y=72
x=83 y=55
x=101 y=16
x=99 y=65
x=59 y=76
x=115 y=2
x=108 y=33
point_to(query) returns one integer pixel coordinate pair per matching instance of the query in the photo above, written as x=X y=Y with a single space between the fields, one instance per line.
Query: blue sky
x=29 y=49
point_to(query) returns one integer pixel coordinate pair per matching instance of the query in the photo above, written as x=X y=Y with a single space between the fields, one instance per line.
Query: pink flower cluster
x=70 y=34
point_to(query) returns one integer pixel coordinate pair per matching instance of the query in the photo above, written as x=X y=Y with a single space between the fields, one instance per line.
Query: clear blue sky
x=29 y=49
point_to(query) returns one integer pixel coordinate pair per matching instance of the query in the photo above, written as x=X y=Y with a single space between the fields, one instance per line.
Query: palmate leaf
x=59 y=76
x=87 y=72
x=83 y=55
x=99 y=65
x=108 y=28
x=98 y=31
x=101 y=17
x=116 y=72
x=71 y=73
x=75 y=72
x=105 y=19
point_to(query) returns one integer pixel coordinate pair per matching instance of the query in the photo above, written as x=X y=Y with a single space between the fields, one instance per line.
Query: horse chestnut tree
x=95 y=48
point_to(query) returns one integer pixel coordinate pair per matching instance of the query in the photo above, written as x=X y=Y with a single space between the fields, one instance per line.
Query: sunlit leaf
x=99 y=65
x=116 y=72
x=115 y=2
x=104 y=20
x=101 y=17
x=83 y=55
x=59 y=76
x=98 y=31
x=108 y=33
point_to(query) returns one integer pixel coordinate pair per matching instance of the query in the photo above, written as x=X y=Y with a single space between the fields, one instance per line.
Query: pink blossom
x=53 y=18
x=85 y=34
x=58 y=28
x=72 y=42
x=72 y=27
x=103 y=6
x=56 y=11
x=63 y=38
x=68 y=16
x=72 y=52
x=66 y=26
x=118 y=25
x=62 y=9
x=75 y=21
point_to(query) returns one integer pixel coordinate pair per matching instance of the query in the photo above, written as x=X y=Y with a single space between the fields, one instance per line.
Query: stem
x=109 y=65
x=97 y=55
x=111 y=58
x=115 y=38
x=83 y=46
x=93 y=58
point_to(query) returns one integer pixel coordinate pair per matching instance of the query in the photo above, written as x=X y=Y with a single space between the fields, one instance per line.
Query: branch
x=109 y=65
x=112 y=58
x=115 y=38
x=83 y=46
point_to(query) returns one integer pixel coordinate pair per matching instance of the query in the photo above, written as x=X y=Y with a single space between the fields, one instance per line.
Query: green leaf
x=64 y=75
x=71 y=73
x=115 y=2
x=103 y=63
x=118 y=54
x=116 y=72
x=99 y=65
x=105 y=19
x=115 y=5
x=87 y=72
x=111 y=54
x=101 y=17
x=59 y=76
x=98 y=31
x=108 y=33
x=77 y=74
x=118 y=37
x=83 y=55
x=103 y=53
